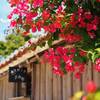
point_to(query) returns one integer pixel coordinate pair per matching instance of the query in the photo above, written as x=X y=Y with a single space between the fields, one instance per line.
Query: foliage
x=12 y=42
x=75 y=21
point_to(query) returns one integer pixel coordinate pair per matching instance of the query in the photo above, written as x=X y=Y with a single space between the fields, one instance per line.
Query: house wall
x=47 y=86
x=6 y=88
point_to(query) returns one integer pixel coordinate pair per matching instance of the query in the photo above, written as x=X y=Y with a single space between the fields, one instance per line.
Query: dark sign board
x=17 y=74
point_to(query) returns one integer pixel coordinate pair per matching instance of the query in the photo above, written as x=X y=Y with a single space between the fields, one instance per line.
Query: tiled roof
x=23 y=50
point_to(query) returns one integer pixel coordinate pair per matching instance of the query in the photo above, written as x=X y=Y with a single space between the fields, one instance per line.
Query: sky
x=4 y=22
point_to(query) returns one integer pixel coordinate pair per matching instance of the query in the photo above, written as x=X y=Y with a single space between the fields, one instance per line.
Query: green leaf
x=97 y=96
x=36 y=62
x=42 y=44
x=27 y=27
x=98 y=50
x=55 y=36
x=49 y=42
x=63 y=67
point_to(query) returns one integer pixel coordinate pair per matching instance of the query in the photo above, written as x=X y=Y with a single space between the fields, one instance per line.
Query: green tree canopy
x=11 y=43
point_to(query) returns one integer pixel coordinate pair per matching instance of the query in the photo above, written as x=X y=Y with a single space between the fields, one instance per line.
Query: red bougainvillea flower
x=31 y=15
x=91 y=27
x=92 y=35
x=59 y=10
x=23 y=6
x=58 y=72
x=88 y=15
x=25 y=33
x=91 y=87
x=34 y=28
x=73 y=50
x=15 y=11
x=97 y=64
x=86 y=20
x=61 y=51
x=96 y=20
x=10 y=16
x=82 y=53
x=78 y=75
x=76 y=1
x=69 y=68
x=52 y=28
x=13 y=23
x=98 y=0
x=82 y=24
x=38 y=3
x=62 y=54
x=45 y=15
x=13 y=2
x=72 y=38
x=57 y=25
x=80 y=66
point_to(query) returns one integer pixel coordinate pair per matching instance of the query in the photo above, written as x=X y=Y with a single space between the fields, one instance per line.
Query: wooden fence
x=47 y=86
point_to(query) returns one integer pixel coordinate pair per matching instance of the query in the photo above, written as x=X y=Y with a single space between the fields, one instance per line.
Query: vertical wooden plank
x=76 y=84
x=1 y=90
x=43 y=82
x=55 y=94
x=96 y=77
x=87 y=75
x=4 y=88
x=37 y=89
x=33 y=81
x=9 y=88
x=49 y=82
x=59 y=89
x=64 y=87
x=69 y=86
x=7 y=96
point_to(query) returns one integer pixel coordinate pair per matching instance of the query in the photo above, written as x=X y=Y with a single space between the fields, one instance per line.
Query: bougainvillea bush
x=77 y=22
x=92 y=92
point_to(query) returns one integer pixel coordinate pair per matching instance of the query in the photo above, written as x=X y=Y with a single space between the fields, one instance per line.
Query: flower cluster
x=71 y=38
x=27 y=16
x=76 y=21
x=86 y=20
x=63 y=60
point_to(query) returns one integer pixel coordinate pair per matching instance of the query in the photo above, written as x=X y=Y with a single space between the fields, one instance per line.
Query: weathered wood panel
x=96 y=77
x=47 y=86
x=6 y=88
x=37 y=87
x=49 y=82
x=52 y=87
x=42 y=82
